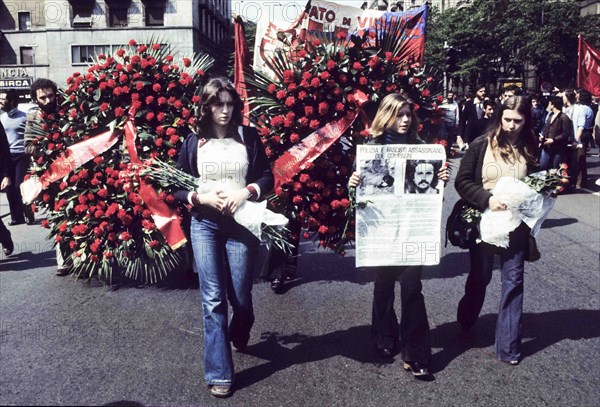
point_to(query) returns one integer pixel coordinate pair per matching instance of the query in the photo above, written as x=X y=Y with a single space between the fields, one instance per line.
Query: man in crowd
x=583 y=121
x=482 y=124
x=472 y=111
x=555 y=137
x=537 y=114
x=5 y=172
x=43 y=93
x=450 y=120
x=13 y=121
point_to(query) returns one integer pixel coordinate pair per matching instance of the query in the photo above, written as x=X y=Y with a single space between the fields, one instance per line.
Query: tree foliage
x=502 y=37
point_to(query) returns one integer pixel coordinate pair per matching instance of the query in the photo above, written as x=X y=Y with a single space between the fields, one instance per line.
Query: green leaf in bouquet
x=97 y=94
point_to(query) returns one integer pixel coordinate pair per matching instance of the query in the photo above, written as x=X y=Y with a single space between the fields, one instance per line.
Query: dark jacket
x=468 y=120
x=560 y=130
x=5 y=161
x=259 y=170
x=469 y=180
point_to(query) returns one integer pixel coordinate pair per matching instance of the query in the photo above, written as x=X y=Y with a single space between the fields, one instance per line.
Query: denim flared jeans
x=510 y=312
x=224 y=254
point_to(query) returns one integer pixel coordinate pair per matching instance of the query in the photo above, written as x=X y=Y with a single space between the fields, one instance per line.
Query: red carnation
x=104 y=107
x=125 y=236
x=150 y=116
x=294 y=138
x=357 y=66
x=281 y=94
x=156 y=87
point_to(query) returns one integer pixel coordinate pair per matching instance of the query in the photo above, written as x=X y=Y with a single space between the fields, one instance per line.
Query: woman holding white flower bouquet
x=233 y=168
x=509 y=149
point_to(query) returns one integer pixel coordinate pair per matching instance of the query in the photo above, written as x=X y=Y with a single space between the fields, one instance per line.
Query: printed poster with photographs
x=399 y=213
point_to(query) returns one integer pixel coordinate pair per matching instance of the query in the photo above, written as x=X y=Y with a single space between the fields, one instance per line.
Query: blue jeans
x=512 y=261
x=224 y=255
x=551 y=159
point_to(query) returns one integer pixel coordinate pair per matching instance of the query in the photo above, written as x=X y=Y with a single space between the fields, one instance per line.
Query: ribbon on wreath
x=311 y=147
x=79 y=154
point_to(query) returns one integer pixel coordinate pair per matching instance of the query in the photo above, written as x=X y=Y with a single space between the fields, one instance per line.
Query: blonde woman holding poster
x=396 y=123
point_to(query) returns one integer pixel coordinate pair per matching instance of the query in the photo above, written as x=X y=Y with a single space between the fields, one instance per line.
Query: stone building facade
x=54 y=38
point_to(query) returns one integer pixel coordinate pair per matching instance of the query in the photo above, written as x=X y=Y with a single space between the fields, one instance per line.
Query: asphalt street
x=69 y=342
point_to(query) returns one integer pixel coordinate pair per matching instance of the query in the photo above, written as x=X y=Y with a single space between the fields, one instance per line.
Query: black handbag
x=532 y=254
x=460 y=232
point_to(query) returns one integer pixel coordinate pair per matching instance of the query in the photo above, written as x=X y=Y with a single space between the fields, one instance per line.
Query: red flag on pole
x=588 y=68
x=241 y=60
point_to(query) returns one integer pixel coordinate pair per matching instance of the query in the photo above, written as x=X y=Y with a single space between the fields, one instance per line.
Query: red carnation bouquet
x=131 y=106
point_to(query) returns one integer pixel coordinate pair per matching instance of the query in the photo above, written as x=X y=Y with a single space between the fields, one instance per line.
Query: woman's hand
x=496 y=204
x=5 y=183
x=233 y=200
x=354 y=180
x=210 y=199
x=444 y=173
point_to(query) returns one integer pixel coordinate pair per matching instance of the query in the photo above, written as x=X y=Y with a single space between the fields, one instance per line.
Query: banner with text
x=329 y=17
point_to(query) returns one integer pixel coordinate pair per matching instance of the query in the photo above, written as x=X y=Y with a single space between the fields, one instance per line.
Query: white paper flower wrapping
x=251 y=215
x=524 y=205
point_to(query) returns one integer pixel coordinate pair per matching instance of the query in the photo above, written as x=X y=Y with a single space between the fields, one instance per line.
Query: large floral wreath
x=319 y=82
x=142 y=100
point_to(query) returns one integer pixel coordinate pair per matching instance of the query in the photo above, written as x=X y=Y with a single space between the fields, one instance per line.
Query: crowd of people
x=566 y=123
x=515 y=134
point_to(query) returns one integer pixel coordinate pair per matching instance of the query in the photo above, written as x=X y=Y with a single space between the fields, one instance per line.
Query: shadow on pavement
x=451 y=265
x=20 y=261
x=284 y=351
x=540 y=331
x=553 y=223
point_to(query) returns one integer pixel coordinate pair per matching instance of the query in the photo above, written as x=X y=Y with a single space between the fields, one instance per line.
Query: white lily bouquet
x=529 y=200
x=254 y=216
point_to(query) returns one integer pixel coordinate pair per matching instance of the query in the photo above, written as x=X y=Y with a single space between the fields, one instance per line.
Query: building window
x=24 y=20
x=117 y=16
x=83 y=54
x=82 y=15
x=27 y=56
x=155 y=15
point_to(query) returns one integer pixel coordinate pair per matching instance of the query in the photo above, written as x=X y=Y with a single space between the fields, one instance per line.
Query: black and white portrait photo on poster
x=421 y=176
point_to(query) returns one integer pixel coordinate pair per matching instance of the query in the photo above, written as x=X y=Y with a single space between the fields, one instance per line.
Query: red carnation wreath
x=326 y=81
x=129 y=107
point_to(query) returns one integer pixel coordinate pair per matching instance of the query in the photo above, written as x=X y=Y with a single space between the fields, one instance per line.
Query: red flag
x=241 y=60
x=588 y=68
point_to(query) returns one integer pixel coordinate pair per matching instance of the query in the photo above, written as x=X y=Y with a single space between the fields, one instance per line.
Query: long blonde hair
x=388 y=111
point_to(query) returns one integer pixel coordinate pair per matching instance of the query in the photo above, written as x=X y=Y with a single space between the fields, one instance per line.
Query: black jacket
x=5 y=161
x=469 y=180
x=259 y=170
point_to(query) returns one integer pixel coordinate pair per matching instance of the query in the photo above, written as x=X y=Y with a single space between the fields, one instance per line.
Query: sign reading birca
x=399 y=210
x=16 y=83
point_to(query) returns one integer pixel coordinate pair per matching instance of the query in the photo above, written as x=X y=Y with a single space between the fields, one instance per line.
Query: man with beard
x=43 y=93
x=422 y=179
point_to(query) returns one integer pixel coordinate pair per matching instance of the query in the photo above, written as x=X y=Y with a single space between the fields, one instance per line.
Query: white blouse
x=222 y=164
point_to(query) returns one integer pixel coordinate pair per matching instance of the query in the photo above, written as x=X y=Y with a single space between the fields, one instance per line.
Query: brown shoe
x=62 y=271
x=220 y=391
